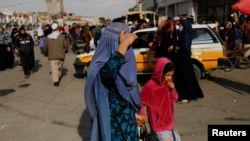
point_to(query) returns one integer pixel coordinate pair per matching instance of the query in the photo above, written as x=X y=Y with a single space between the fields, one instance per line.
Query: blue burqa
x=96 y=94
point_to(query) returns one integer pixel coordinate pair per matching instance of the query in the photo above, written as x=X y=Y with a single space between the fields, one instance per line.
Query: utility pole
x=140 y=5
x=166 y=7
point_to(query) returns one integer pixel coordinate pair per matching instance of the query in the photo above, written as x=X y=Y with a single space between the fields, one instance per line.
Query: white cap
x=130 y=22
x=54 y=26
x=176 y=18
x=40 y=32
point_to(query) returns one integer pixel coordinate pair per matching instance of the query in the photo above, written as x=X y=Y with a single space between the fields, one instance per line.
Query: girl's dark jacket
x=24 y=43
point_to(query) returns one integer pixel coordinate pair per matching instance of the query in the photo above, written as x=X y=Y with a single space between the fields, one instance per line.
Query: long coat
x=55 y=48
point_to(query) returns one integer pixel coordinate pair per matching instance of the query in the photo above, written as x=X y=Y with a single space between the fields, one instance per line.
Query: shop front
x=218 y=10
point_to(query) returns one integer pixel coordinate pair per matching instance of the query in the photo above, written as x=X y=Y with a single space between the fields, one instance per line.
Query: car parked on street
x=208 y=53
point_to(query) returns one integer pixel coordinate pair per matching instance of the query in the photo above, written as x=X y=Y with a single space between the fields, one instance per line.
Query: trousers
x=56 y=69
x=246 y=50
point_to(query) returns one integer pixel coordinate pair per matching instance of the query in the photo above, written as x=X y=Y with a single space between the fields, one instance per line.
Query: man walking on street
x=55 y=47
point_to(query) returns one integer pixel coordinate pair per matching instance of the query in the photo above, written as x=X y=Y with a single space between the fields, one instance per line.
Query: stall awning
x=243 y=6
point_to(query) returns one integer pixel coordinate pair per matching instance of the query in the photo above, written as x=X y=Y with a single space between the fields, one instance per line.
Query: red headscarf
x=164 y=26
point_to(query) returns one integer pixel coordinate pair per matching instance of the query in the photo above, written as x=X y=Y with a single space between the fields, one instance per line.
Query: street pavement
x=34 y=110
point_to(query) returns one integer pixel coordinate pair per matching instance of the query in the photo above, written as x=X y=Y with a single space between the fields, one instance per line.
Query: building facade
x=55 y=8
x=211 y=9
x=10 y=18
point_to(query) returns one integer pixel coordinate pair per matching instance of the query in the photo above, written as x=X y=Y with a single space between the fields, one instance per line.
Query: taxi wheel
x=242 y=63
x=197 y=72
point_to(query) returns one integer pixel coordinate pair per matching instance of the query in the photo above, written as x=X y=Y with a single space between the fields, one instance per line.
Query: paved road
x=34 y=110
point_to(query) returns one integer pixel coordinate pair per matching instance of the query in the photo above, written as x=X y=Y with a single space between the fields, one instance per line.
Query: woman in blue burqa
x=111 y=91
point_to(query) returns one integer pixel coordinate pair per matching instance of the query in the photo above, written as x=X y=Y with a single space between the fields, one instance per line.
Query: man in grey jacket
x=54 y=49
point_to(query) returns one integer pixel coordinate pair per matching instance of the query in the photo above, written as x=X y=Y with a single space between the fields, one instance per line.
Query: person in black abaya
x=185 y=79
x=6 y=53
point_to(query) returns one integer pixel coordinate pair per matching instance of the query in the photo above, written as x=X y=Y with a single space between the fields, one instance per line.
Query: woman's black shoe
x=56 y=84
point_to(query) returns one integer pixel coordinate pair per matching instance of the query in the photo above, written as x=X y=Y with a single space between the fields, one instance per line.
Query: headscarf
x=158 y=69
x=22 y=28
x=14 y=31
x=185 y=37
x=163 y=28
x=4 y=37
x=95 y=93
x=166 y=27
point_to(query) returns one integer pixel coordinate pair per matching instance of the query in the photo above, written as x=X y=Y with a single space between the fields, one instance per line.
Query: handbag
x=143 y=133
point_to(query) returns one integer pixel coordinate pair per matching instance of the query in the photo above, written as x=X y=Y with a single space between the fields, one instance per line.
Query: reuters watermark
x=223 y=132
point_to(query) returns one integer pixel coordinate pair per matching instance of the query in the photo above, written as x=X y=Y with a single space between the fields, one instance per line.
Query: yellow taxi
x=208 y=53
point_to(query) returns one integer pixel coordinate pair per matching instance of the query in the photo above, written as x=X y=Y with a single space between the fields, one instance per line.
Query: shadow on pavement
x=64 y=72
x=84 y=126
x=80 y=75
x=237 y=87
x=24 y=85
x=4 y=92
x=37 y=66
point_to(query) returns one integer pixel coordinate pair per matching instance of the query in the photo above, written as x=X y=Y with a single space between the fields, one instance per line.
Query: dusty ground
x=34 y=110
x=226 y=101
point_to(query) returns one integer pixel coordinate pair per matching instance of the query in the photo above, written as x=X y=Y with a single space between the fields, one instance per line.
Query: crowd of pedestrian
x=111 y=93
x=20 y=43
x=235 y=33
x=113 y=100
x=56 y=40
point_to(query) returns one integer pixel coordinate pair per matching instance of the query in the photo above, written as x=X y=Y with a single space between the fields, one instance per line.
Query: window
x=203 y=36
x=144 y=38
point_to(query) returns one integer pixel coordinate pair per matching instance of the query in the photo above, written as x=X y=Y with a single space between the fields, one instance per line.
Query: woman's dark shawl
x=185 y=38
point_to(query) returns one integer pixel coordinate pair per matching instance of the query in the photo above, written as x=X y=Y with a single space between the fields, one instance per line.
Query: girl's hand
x=141 y=120
x=170 y=84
